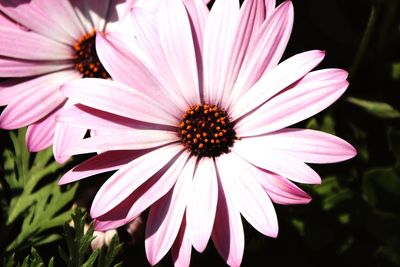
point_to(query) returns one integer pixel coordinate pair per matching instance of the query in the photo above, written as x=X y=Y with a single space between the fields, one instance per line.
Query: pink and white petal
x=25 y=45
x=177 y=43
x=246 y=27
x=129 y=140
x=104 y=162
x=198 y=15
x=269 y=7
x=64 y=137
x=30 y=106
x=247 y=194
x=10 y=67
x=6 y=22
x=202 y=203
x=31 y=15
x=40 y=134
x=119 y=99
x=280 y=163
x=121 y=184
x=218 y=35
x=278 y=188
x=92 y=13
x=165 y=217
x=147 y=48
x=305 y=99
x=164 y=183
x=63 y=14
x=307 y=145
x=275 y=80
x=266 y=48
x=120 y=64
x=228 y=233
x=182 y=247
x=80 y=116
x=117 y=15
x=145 y=195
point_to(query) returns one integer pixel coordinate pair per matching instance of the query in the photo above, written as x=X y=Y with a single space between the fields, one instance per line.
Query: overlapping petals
x=185 y=56
x=37 y=51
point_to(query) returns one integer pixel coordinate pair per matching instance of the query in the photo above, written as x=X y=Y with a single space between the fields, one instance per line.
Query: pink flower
x=44 y=44
x=195 y=121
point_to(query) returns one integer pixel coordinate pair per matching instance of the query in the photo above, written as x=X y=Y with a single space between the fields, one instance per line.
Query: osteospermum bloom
x=198 y=136
x=45 y=43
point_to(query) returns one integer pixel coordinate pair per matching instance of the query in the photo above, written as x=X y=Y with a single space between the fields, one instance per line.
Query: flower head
x=43 y=45
x=198 y=136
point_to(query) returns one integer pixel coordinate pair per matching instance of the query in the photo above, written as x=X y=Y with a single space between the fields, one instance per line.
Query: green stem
x=365 y=40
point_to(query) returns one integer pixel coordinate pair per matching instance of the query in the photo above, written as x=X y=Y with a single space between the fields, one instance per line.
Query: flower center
x=87 y=62
x=207 y=131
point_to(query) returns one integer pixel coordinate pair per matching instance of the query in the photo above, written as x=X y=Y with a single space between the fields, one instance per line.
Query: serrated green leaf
x=378 y=109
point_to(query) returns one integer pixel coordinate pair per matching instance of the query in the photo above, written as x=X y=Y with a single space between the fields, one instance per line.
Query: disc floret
x=206 y=130
x=87 y=62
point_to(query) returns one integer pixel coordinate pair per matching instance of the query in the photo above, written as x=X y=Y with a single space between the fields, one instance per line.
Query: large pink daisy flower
x=198 y=135
x=45 y=43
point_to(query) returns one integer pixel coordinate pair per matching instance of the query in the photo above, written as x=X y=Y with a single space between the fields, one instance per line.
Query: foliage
x=35 y=204
x=78 y=243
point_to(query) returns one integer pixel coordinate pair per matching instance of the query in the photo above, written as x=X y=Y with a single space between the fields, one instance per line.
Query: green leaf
x=41 y=206
x=378 y=109
x=108 y=255
x=78 y=241
x=396 y=71
x=380 y=183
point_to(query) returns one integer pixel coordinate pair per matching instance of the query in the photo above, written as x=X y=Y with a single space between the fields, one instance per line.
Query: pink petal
x=81 y=116
x=180 y=169
x=182 y=247
x=40 y=134
x=228 y=234
x=121 y=184
x=165 y=217
x=120 y=64
x=218 y=36
x=145 y=195
x=14 y=88
x=21 y=68
x=198 y=15
x=33 y=105
x=130 y=140
x=17 y=43
x=307 y=145
x=279 y=189
x=202 y=203
x=118 y=99
x=6 y=22
x=117 y=14
x=104 y=162
x=62 y=13
x=276 y=80
x=309 y=96
x=177 y=43
x=245 y=27
x=266 y=48
x=64 y=137
x=247 y=194
x=147 y=45
x=280 y=163
x=31 y=15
